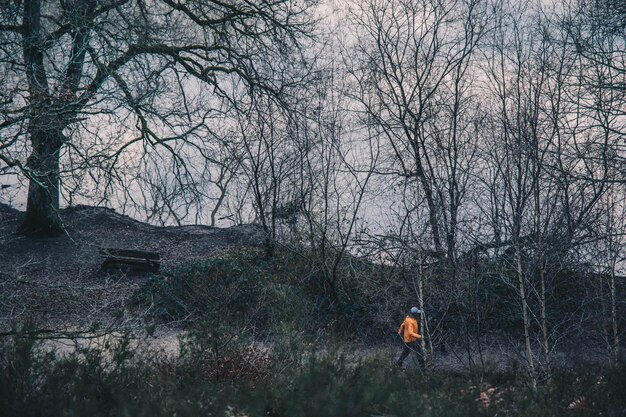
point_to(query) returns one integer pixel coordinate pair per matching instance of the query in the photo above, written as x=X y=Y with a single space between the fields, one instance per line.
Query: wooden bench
x=135 y=259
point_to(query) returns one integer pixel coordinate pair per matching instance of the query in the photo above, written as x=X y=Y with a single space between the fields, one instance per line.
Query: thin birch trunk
x=616 y=347
x=423 y=318
x=544 y=322
x=522 y=293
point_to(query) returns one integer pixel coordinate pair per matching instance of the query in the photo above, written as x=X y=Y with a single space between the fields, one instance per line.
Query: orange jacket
x=411 y=333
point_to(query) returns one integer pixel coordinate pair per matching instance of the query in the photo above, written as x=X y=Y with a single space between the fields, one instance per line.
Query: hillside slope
x=59 y=281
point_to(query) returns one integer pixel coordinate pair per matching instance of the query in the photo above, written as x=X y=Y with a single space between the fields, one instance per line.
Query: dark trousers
x=406 y=351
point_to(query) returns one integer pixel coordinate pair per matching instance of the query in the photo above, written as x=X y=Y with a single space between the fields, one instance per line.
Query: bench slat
x=127 y=253
x=112 y=256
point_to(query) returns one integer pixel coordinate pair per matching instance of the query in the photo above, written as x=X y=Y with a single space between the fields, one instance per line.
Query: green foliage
x=580 y=392
x=243 y=289
x=340 y=384
x=205 y=289
x=36 y=381
x=114 y=380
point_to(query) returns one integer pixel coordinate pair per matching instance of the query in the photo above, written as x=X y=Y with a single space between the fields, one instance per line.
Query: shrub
x=217 y=353
x=240 y=288
x=115 y=380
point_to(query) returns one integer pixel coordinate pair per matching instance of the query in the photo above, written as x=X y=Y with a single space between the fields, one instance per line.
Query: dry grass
x=59 y=282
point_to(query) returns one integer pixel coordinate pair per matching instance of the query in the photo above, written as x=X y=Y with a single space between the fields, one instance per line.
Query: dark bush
x=243 y=289
x=115 y=380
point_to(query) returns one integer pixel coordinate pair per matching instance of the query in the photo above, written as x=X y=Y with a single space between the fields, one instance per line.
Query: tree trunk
x=422 y=305
x=42 y=209
x=526 y=319
x=544 y=322
x=45 y=132
x=616 y=348
x=423 y=317
x=268 y=247
x=220 y=200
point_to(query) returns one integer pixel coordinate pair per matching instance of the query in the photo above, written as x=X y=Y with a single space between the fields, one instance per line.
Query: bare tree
x=70 y=64
x=609 y=253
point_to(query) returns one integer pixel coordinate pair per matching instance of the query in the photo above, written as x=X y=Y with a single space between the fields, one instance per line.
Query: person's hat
x=415 y=310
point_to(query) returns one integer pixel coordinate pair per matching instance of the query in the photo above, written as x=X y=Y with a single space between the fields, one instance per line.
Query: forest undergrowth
x=263 y=338
x=214 y=375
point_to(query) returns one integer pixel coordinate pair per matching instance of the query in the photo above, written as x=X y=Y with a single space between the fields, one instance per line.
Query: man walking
x=410 y=336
